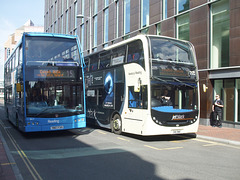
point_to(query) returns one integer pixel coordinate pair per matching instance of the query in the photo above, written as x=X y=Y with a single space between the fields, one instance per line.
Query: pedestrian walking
x=217 y=111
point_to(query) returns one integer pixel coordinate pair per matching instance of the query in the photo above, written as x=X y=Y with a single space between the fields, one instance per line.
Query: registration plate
x=176 y=131
x=57 y=127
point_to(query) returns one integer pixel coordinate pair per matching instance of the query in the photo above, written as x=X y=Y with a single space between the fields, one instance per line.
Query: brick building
x=213 y=27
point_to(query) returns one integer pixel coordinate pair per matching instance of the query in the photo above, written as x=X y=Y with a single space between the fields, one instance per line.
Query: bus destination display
x=54 y=73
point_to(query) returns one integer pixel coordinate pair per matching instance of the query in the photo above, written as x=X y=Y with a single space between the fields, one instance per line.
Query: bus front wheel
x=117 y=124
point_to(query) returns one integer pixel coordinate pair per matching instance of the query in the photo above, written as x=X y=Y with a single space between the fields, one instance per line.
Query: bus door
x=137 y=109
x=19 y=105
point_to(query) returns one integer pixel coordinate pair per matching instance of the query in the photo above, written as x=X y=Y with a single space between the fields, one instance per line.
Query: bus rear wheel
x=117 y=124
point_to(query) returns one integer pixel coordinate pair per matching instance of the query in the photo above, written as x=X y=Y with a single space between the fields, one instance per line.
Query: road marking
x=23 y=156
x=180 y=141
x=155 y=148
x=201 y=140
x=212 y=143
x=123 y=139
x=6 y=164
x=172 y=148
x=70 y=153
x=101 y=132
x=152 y=147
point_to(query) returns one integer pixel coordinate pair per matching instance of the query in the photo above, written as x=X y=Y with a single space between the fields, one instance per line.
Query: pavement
x=221 y=135
x=6 y=161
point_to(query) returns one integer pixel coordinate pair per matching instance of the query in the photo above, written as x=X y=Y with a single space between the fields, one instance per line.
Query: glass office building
x=213 y=27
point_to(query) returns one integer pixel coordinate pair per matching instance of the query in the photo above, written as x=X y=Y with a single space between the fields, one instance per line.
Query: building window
x=8 y=52
x=75 y=15
x=95 y=7
x=106 y=2
x=229 y=93
x=82 y=37
x=62 y=6
x=62 y=24
x=87 y=33
x=182 y=5
x=52 y=14
x=183 y=27
x=164 y=9
x=126 y=16
x=95 y=31
x=56 y=27
x=66 y=22
x=82 y=9
x=106 y=20
x=158 y=27
x=237 y=106
x=56 y=11
x=145 y=30
x=117 y=19
x=220 y=34
x=144 y=13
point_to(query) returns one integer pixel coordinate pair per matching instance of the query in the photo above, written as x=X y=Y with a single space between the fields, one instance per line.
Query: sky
x=14 y=14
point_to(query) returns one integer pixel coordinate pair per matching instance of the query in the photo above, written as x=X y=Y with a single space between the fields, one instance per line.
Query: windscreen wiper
x=176 y=79
x=157 y=78
x=163 y=60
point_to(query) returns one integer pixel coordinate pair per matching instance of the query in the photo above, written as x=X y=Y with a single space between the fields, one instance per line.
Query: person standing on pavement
x=217 y=111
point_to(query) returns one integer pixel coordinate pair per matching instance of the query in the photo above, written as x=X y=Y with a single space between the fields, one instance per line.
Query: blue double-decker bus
x=44 y=83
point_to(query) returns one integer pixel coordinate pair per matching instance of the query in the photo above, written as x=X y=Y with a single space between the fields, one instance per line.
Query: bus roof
x=49 y=35
x=143 y=36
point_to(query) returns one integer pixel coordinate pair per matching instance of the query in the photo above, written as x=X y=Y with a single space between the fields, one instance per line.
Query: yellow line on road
x=212 y=143
x=180 y=141
x=162 y=149
x=123 y=139
x=201 y=140
x=152 y=147
x=101 y=132
x=6 y=164
x=23 y=156
x=172 y=148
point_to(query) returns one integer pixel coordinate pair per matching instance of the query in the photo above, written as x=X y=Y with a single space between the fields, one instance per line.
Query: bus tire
x=117 y=124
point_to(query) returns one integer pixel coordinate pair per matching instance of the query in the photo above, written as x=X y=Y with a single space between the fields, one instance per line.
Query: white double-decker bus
x=145 y=85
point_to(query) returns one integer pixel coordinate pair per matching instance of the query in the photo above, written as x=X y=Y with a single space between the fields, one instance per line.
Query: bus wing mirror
x=18 y=87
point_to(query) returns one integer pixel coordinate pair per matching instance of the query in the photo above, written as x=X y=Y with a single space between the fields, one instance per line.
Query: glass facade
x=158 y=29
x=164 y=9
x=229 y=91
x=182 y=5
x=237 y=106
x=95 y=32
x=183 y=27
x=117 y=19
x=75 y=14
x=106 y=20
x=95 y=7
x=220 y=34
x=206 y=24
x=144 y=13
x=126 y=16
